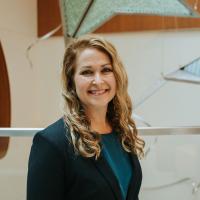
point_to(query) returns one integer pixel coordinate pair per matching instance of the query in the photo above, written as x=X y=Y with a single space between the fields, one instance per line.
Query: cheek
x=80 y=85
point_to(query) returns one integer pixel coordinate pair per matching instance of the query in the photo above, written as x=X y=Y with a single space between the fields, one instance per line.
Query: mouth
x=98 y=92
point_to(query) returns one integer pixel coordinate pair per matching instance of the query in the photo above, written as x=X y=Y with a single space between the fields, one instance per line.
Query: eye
x=86 y=72
x=107 y=70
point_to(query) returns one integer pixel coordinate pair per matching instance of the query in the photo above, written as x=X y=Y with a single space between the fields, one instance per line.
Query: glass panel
x=188 y=73
x=171 y=168
x=193 y=67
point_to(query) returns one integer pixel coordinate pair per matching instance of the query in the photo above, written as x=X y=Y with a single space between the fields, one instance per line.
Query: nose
x=98 y=79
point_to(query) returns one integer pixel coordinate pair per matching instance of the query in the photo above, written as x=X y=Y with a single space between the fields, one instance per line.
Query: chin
x=100 y=104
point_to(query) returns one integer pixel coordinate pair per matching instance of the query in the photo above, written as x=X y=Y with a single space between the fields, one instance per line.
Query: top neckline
x=107 y=134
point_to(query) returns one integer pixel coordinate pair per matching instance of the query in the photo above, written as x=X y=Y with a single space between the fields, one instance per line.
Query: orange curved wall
x=5 y=103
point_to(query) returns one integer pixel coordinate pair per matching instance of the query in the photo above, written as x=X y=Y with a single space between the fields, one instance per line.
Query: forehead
x=92 y=56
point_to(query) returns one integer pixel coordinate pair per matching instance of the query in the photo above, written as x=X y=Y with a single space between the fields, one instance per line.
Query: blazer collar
x=104 y=168
x=135 y=181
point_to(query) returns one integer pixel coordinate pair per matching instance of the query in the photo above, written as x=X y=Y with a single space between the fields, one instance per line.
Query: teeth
x=97 y=92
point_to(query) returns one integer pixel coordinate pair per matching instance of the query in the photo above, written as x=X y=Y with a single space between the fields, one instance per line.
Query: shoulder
x=56 y=135
x=48 y=162
x=55 y=132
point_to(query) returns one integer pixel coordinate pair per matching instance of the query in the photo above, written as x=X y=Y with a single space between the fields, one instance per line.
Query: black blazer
x=56 y=173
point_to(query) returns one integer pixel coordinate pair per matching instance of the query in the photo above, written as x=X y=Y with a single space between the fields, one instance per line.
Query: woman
x=91 y=153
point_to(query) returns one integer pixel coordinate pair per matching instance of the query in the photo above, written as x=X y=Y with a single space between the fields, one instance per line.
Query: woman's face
x=94 y=78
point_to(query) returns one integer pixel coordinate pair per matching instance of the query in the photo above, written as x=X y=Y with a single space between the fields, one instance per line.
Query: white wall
x=146 y=56
x=19 y=17
x=171 y=168
x=18 y=20
x=13 y=169
x=47 y=60
x=35 y=92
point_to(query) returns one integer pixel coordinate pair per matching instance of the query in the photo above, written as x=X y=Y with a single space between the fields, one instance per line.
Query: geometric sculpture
x=83 y=16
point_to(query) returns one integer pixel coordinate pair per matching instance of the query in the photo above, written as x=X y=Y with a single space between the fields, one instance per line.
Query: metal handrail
x=143 y=131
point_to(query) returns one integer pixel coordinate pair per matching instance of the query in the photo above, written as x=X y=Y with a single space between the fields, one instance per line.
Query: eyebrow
x=89 y=67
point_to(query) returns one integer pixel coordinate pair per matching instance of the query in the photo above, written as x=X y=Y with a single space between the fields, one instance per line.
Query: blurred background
x=155 y=50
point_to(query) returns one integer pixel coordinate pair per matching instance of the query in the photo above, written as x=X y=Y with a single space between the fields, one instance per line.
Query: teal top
x=118 y=160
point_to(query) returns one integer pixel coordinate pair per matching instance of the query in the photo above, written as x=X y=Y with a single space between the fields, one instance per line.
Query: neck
x=99 y=122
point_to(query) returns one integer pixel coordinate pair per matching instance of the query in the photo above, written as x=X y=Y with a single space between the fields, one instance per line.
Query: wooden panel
x=128 y=23
x=49 y=18
x=5 y=106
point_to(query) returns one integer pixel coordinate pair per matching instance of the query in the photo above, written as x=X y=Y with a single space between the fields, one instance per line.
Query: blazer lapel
x=135 y=182
x=103 y=167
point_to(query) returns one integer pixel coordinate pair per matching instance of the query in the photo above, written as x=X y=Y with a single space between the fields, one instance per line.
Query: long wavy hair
x=86 y=142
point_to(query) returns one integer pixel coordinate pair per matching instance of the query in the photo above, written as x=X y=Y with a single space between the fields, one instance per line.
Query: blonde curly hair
x=86 y=142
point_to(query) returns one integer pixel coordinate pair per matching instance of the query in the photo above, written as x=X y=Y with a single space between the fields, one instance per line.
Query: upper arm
x=45 y=171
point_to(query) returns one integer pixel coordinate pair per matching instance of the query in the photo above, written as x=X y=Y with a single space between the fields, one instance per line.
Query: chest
x=94 y=179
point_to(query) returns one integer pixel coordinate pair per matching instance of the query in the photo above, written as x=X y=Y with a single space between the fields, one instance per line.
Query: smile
x=98 y=92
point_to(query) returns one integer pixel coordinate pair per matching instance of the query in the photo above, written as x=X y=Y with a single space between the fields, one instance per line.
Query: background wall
x=17 y=30
x=147 y=55
x=18 y=22
x=35 y=91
